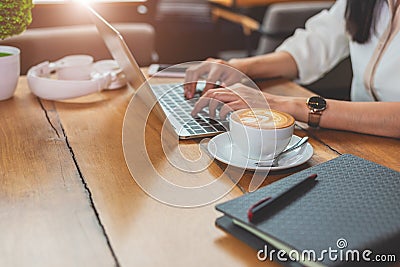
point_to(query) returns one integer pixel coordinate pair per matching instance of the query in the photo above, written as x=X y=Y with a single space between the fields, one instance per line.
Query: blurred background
x=184 y=29
x=172 y=31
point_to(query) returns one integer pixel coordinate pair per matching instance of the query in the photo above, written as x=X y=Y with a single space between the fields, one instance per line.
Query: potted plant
x=15 y=16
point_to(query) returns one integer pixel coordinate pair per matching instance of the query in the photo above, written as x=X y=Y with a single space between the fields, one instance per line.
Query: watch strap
x=314 y=118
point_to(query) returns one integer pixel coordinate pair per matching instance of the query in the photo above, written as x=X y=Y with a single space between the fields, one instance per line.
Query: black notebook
x=353 y=208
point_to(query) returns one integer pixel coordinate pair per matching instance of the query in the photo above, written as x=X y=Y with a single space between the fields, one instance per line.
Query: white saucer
x=221 y=148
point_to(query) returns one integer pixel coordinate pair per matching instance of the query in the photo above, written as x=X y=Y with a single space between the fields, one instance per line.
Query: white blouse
x=376 y=64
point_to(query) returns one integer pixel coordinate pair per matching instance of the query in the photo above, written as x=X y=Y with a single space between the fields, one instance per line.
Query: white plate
x=222 y=149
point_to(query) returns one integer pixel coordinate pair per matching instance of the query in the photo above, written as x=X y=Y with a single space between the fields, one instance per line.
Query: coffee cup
x=10 y=70
x=260 y=133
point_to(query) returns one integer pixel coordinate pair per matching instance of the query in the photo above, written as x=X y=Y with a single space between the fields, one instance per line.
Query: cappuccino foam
x=263 y=118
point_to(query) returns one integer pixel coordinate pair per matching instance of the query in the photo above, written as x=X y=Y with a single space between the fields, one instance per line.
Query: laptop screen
x=121 y=53
x=118 y=49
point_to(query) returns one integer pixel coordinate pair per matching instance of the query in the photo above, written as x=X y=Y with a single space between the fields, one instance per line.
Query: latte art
x=264 y=118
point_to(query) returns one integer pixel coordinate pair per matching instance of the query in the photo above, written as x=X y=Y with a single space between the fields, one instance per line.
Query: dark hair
x=361 y=16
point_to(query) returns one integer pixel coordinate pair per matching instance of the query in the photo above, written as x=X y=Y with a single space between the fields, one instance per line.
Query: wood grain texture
x=136 y=224
x=382 y=150
x=143 y=231
x=68 y=198
x=46 y=216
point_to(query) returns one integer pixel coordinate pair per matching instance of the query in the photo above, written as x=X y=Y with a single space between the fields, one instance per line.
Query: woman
x=367 y=30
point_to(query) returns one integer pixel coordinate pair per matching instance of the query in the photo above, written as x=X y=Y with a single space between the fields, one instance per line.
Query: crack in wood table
x=68 y=199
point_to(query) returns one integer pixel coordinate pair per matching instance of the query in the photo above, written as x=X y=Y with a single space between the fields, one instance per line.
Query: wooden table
x=68 y=199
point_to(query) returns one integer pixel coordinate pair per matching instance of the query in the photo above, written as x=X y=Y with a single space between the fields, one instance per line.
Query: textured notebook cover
x=354 y=199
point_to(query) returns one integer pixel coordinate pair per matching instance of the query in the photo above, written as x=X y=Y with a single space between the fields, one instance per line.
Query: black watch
x=316 y=105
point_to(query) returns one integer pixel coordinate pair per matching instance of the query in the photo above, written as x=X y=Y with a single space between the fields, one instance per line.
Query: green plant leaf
x=15 y=16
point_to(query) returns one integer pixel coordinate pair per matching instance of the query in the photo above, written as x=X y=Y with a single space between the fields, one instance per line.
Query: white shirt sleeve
x=321 y=45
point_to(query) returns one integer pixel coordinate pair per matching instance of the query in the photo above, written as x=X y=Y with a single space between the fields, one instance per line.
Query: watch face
x=316 y=103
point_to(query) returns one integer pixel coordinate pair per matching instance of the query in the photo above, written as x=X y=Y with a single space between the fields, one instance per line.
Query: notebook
x=353 y=208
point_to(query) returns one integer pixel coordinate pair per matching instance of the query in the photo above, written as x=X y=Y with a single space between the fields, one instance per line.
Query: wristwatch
x=316 y=105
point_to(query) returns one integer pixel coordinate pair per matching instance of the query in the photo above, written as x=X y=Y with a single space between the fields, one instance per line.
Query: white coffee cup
x=9 y=70
x=259 y=133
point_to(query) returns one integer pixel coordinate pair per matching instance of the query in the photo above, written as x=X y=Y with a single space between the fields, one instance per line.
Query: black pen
x=261 y=205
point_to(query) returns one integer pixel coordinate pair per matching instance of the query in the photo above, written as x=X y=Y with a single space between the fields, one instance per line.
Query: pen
x=259 y=208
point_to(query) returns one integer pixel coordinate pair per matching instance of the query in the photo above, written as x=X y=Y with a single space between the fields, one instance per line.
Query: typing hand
x=228 y=99
x=215 y=70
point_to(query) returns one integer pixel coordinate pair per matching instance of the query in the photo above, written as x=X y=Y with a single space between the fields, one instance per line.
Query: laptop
x=170 y=101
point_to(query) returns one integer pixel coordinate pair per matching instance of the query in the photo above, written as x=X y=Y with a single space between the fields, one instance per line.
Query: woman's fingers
x=212 y=107
x=231 y=98
x=200 y=104
x=213 y=98
x=192 y=75
x=231 y=106
x=213 y=76
x=215 y=70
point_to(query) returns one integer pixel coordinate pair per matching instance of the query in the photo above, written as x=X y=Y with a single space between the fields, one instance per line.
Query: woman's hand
x=215 y=70
x=277 y=64
x=237 y=96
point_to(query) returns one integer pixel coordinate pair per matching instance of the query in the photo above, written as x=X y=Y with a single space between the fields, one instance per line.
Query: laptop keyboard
x=171 y=99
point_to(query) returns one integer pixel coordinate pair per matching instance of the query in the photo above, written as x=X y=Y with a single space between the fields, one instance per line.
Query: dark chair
x=280 y=21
